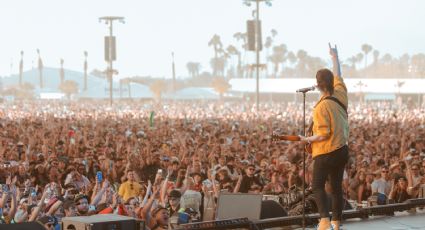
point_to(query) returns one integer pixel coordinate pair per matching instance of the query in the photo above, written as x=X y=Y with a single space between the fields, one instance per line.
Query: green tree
x=418 y=64
x=403 y=64
x=273 y=33
x=359 y=57
x=85 y=70
x=302 y=61
x=233 y=51
x=157 y=88
x=313 y=64
x=126 y=81
x=242 y=37
x=40 y=69
x=366 y=50
x=219 y=65
x=386 y=65
x=69 y=87
x=375 y=54
x=62 y=71
x=375 y=57
x=291 y=57
x=215 y=42
x=278 y=57
x=352 y=60
x=220 y=85
x=193 y=68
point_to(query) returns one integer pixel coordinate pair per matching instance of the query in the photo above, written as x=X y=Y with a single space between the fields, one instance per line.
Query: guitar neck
x=288 y=138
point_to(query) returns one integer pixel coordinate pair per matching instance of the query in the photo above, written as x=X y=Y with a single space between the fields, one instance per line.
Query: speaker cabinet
x=102 y=222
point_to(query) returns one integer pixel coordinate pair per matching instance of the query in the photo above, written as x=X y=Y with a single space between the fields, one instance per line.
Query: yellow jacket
x=330 y=119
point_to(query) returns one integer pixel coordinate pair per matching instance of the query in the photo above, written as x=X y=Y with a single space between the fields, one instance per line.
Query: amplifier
x=102 y=222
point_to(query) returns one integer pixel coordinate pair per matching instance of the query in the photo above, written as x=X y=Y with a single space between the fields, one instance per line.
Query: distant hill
x=97 y=87
x=51 y=78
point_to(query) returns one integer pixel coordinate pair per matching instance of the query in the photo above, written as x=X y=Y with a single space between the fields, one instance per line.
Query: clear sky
x=155 y=28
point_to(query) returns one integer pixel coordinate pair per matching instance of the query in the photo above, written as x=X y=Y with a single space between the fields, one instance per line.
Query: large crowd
x=168 y=163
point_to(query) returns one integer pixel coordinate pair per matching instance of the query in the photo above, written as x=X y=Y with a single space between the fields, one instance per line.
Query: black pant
x=329 y=166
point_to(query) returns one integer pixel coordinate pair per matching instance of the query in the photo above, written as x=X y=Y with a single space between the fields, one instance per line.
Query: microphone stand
x=304 y=153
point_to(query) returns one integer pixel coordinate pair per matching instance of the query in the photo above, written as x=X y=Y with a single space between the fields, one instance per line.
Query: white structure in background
x=290 y=85
x=52 y=96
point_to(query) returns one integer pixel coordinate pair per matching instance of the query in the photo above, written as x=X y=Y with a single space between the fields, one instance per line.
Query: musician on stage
x=329 y=142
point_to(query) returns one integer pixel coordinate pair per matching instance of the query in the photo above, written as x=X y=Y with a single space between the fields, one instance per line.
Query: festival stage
x=400 y=221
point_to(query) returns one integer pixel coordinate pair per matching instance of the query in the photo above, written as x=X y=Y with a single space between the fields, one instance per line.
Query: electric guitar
x=293 y=138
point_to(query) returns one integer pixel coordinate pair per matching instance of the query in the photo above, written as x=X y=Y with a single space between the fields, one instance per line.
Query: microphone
x=305 y=90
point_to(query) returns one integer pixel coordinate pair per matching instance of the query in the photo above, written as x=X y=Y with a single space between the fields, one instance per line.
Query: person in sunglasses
x=130 y=188
x=383 y=184
x=249 y=182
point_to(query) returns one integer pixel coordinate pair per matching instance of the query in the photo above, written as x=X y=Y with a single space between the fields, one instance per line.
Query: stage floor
x=400 y=221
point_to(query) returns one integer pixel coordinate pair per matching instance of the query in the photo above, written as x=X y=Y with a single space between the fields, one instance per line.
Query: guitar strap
x=310 y=128
x=338 y=102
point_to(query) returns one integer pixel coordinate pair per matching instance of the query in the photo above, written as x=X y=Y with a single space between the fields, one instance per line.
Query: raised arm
x=340 y=89
x=335 y=60
x=98 y=194
x=39 y=206
x=13 y=192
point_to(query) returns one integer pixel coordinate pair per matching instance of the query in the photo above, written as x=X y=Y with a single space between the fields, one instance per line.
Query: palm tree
x=403 y=64
x=353 y=61
x=21 y=67
x=219 y=64
x=375 y=61
x=220 y=85
x=40 y=68
x=61 y=72
x=418 y=64
x=69 y=87
x=215 y=42
x=399 y=85
x=313 y=64
x=302 y=58
x=267 y=45
x=360 y=85
x=387 y=61
x=157 y=88
x=375 y=57
x=269 y=42
x=126 y=81
x=292 y=58
x=85 y=70
x=366 y=49
x=278 y=57
x=273 y=32
x=232 y=50
x=359 y=57
x=242 y=37
x=193 y=68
